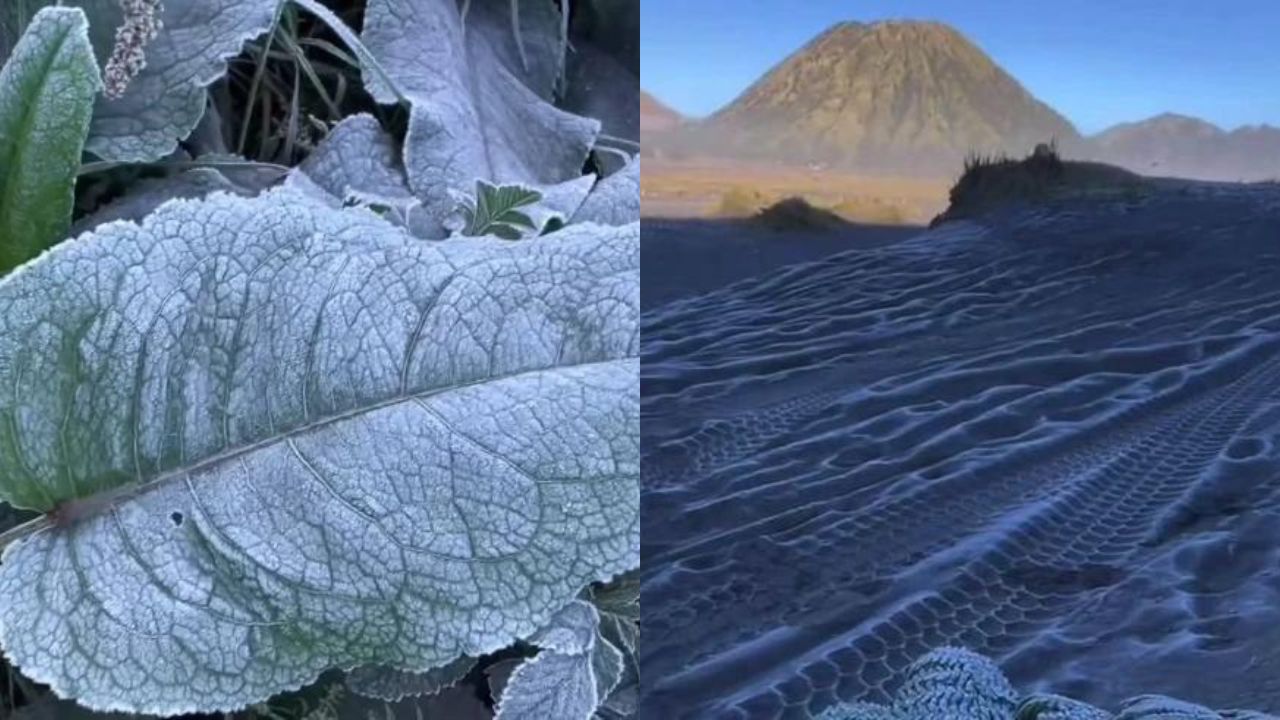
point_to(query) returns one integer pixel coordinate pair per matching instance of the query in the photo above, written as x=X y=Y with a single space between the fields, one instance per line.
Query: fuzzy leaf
x=495 y=210
x=296 y=438
x=615 y=199
x=46 y=98
x=526 y=42
x=600 y=87
x=386 y=683
x=471 y=117
x=148 y=194
x=359 y=161
x=164 y=103
x=569 y=678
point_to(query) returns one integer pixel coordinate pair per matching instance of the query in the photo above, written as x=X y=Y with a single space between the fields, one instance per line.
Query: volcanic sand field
x=697 y=189
x=1050 y=437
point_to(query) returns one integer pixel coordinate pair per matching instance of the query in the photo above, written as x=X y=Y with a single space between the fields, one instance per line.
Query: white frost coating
x=489 y=22
x=616 y=199
x=358 y=161
x=384 y=683
x=560 y=201
x=165 y=101
x=148 y=194
x=471 y=117
x=572 y=675
x=355 y=447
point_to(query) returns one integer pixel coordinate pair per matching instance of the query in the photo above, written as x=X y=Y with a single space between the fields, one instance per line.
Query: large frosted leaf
x=164 y=102
x=599 y=87
x=572 y=675
x=384 y=683
x=302 y=439
x=357 y=161
x=615 y=199
x=148 y=194
x=46 y=97
x=472 y=118
x=527 y=41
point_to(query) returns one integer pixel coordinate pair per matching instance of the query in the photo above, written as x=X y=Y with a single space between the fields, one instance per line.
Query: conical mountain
x=897 y=96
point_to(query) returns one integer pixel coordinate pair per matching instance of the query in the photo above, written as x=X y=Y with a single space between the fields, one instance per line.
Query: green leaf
x=554 y=223
x=494 y=211
x=287 y=438
x=46 y=100
x=506 y=232
x=511 y=217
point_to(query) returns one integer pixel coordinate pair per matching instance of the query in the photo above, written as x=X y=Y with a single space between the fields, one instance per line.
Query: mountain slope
x=896 y=95
x=655 y=116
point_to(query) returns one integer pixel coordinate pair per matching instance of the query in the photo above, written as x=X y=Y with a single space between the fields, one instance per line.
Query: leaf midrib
x=108 y=497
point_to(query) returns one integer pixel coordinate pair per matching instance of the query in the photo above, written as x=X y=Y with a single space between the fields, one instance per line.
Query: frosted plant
x=273 y=434
x=128 y=57
x=957 y=684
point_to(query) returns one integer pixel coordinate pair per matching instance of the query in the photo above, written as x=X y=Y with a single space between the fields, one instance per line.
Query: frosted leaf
x=294 y=438
x=615 y=199
x=471 y=118
x=570 y=677
x=46 y=96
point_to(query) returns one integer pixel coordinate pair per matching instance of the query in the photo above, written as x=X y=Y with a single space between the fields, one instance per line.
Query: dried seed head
x=128 y=56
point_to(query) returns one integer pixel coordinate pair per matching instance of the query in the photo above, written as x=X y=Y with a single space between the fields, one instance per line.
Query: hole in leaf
x=176 y=517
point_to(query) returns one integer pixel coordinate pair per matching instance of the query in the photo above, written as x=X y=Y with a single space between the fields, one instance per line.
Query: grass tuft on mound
x=990 y=182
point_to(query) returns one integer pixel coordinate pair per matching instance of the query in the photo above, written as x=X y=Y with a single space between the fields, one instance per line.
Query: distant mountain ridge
x=655 y=116
x=916 y=98
x=1182 y=146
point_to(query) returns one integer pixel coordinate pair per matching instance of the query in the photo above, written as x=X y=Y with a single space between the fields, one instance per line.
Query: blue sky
x=1098 y=62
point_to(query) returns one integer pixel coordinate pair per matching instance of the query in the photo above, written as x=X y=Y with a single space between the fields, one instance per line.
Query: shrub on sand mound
x=795 y=213
x=990 y=182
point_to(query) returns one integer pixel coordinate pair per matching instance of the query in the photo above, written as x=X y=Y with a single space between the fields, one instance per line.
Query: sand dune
x=1052 y=437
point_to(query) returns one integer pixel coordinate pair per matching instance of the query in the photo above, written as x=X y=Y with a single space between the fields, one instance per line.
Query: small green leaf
x=495 y=211
x=517 y=218
x=553 y=224
x=47 y=89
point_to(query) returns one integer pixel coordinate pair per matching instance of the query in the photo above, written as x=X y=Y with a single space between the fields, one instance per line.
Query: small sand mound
x=801 y=213
x=992 y=182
